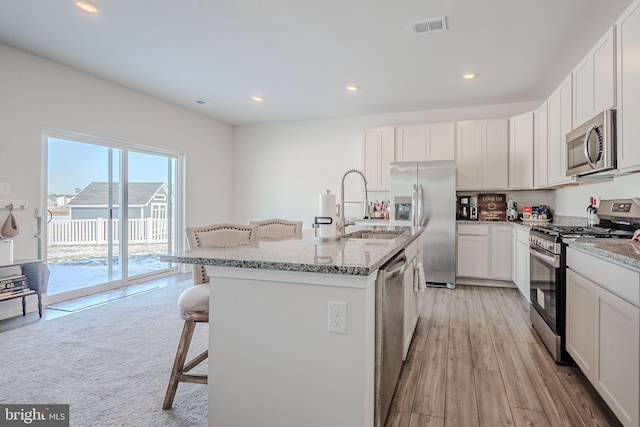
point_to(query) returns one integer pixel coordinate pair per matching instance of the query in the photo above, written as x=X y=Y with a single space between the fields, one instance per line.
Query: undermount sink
x=366 y=234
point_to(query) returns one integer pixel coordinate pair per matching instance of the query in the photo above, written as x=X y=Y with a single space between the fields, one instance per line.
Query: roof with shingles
x=97 y=194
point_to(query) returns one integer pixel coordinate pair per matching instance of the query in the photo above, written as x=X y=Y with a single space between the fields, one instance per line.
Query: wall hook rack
x=13 y=204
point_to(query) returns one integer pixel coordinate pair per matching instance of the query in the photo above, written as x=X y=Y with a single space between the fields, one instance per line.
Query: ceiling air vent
x=428 y=25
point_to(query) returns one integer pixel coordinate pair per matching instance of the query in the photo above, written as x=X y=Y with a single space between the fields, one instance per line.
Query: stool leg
x=178 y=365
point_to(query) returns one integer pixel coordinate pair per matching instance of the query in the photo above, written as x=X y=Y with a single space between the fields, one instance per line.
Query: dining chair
x=278 y=229
x=194 y=302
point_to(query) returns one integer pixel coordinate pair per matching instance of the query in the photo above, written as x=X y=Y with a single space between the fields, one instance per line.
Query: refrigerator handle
x=420 y=219
x=414 y=205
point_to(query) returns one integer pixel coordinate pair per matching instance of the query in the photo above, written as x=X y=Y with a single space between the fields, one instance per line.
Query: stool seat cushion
x=196 y=298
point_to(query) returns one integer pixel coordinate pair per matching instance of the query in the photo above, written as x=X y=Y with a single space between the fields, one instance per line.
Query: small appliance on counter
x=463 y=208
x=492 y=207
x=512 y=210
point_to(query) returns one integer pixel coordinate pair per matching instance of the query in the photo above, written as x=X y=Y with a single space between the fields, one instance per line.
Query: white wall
x=573 y=201
x=37 y=94
x=280 y=169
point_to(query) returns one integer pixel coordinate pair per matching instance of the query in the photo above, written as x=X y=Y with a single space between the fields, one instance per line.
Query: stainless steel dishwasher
x=389 y=324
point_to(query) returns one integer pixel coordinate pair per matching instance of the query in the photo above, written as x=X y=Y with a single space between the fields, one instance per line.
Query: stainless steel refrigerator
x=424 y=194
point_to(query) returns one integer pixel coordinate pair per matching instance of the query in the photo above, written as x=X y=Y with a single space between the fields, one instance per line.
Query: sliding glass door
x=111 y=211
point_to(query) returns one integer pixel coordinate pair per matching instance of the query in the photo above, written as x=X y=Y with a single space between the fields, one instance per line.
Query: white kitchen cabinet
x=425 y=142
x=378 y=153
x=594 y=82
x=473 y=256
x=559 y=123
x=521 y=151
x=603 y=330
x=412 y=298
x=482 y=158
x=501 y=251
x=628 y=101
x=579 y=319
x=540 y=146
x=482 y=250
x=521 y=261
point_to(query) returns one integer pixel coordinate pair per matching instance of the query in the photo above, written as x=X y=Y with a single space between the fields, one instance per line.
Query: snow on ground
x=74 y=267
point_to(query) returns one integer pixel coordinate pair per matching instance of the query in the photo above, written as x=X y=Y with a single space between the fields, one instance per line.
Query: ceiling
x=299 y=55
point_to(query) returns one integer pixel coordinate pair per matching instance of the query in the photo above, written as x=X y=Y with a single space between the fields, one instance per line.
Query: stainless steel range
x=618 y=219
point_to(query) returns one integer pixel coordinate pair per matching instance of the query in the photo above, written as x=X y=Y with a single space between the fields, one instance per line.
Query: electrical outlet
x=337 y=317
x=5 y=188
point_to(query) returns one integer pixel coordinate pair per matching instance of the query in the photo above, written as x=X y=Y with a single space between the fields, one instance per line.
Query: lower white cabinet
x=521 y=262
x=412 y=298
x=603 y=332
x=482 y=250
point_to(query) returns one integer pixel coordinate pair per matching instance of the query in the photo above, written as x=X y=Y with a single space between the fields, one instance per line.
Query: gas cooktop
x=578 y=231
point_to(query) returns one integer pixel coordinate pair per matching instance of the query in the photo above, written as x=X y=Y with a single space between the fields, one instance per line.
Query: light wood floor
x=476 y=361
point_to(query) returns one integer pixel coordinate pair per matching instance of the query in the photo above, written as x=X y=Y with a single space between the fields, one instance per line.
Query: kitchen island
x=272 y=359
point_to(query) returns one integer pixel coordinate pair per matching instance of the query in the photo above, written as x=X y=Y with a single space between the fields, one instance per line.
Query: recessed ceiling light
x=257 y=98
x=87 y=6
x=468 y=76
x=352 y=88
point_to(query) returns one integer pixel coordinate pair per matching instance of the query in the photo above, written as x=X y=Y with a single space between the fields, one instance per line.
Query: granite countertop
x=348 y=256
x=623 y=251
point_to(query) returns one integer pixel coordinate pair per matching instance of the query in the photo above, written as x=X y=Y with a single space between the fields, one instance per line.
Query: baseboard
x=485 y=282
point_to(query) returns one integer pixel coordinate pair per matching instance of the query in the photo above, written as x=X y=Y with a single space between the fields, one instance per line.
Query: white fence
x=95 y=231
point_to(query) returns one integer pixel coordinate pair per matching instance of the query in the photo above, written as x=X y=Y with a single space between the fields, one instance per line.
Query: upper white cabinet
x=425 y=142
x=521 y=151
x=482 y=154
x=594 y=82
x=628 y=57
x=540 y=146
x=559 y=123
x=378 y=152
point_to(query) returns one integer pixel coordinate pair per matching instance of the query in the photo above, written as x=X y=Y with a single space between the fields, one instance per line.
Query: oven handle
x=553 y=260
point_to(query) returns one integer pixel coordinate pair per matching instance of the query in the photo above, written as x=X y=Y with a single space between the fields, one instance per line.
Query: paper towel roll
x=328 y=209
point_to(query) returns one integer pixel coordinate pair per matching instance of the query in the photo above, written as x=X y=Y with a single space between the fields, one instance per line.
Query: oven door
x=546 y=285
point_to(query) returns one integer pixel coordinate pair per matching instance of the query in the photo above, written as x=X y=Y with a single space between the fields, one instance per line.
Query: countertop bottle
x=592 y=217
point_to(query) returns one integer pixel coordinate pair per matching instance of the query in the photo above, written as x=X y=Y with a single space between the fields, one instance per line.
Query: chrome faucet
x=342 y=224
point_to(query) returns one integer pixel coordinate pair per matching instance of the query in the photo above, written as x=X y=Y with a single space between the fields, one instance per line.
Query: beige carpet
x=110 y=363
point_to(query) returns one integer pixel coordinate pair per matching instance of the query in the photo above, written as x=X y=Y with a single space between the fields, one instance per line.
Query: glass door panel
x=151 y=211
x=83 y=188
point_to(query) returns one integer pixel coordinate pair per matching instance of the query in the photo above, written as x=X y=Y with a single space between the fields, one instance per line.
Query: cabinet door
x=501 y=240
x=540 y=147
x=469 y=155
x=617 y=355
x=411 y=143
x=559 y=124
x=473 y=256
x=580 y=322
x=441 y=141
x=378 y=153
x=521 y=151
x=628 y=57
x=522 y=268
x=495 y=156
x=409 y=308
x=594 y=80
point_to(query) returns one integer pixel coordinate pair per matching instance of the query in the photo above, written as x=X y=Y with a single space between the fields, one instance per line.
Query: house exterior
x=146 y=200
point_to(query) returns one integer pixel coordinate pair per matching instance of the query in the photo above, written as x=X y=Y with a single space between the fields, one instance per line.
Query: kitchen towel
x=10 y=227
x=328 y=210
x=419 y=280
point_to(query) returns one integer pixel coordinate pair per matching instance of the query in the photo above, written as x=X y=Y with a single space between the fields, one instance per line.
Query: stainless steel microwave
x=591 y=146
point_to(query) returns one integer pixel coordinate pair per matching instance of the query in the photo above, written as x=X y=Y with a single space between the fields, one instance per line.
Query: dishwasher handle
x=396 y=267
